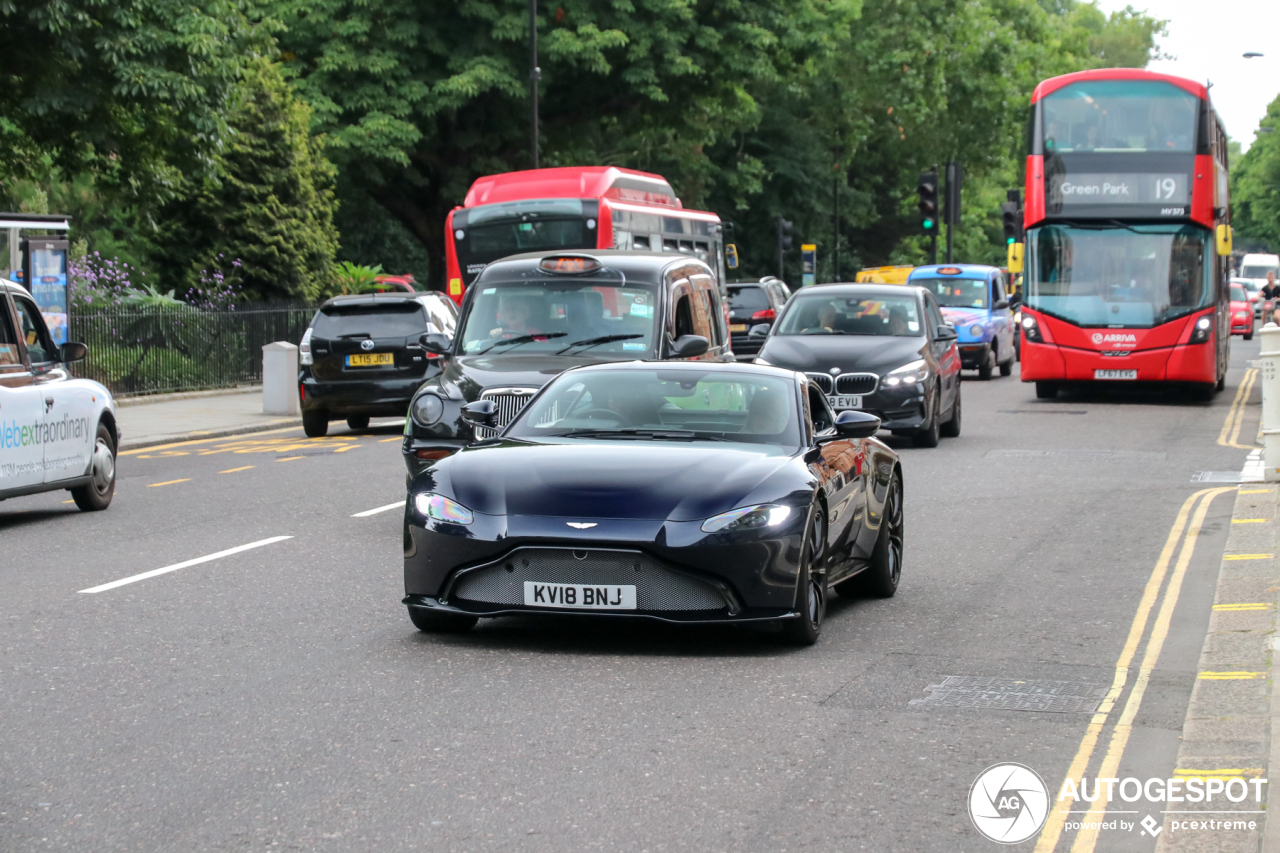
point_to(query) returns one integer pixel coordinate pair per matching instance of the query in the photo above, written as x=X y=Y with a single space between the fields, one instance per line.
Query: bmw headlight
x=427 y=409
x=908 y=374
x=442 y=509
x=747 y=518
x=975 y=330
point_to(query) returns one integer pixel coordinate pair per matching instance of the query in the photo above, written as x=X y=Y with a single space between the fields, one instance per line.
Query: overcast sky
x=1208 y=40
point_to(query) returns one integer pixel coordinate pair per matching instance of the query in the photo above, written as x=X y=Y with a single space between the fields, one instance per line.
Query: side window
x=997 y=288
x=935 y=316
x=39 y=348
x=702 y=316
x=709 y=305
x=8 y=339
x=684 y=317
x=823 y=420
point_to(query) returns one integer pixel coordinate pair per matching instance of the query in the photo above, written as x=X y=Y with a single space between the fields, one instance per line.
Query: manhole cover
x=1012 y=694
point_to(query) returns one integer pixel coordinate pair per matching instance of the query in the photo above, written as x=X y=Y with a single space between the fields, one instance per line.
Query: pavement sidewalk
x=165 y=418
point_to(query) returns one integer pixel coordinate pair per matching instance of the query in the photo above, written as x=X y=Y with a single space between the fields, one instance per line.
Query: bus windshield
x=497 y=230
x=1119 y=115
x=1135 y=277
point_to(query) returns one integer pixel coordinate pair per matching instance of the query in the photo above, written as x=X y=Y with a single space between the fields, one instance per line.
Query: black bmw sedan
x=681 y=492
x=882 y=349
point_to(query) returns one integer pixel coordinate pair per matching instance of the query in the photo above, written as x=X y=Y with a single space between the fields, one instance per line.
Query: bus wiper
x=523 y=339
x=605 y=339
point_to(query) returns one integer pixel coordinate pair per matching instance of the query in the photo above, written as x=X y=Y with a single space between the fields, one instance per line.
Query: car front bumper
x=974 y=354
x=898 y=407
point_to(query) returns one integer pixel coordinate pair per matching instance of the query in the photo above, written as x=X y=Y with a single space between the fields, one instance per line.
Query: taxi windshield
x=953 y=292
x=562 y=316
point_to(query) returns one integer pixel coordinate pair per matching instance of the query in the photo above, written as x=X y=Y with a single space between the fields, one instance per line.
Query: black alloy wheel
x=315 y=424
x=437 y=622
x=358 y=422
x=881 y=579
x=96 y=496
x=951 y=429
x=927 y=436
x=811 y=589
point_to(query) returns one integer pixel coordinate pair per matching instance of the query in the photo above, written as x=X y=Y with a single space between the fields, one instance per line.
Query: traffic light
x=927 y=187
x=1009 y=214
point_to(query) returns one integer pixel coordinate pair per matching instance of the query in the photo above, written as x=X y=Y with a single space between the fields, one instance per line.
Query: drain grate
x=1011 y=694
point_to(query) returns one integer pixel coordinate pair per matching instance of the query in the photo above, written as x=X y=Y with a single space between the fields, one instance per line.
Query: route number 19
x=1166 y=188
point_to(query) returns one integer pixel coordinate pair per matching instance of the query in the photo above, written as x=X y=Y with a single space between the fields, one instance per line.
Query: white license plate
x=582 y=596
x=738 y=327
x=845 y=401
x=1115 y=374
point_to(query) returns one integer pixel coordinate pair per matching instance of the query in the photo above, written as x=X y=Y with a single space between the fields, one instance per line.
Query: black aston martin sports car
x=689 y=492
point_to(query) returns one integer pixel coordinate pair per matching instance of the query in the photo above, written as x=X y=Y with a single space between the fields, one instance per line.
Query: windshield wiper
x=635 y=432
x=523 y=339
x=591 y=342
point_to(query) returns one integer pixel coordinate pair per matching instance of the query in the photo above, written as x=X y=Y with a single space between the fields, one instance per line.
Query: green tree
x=265 y=217
x=1255 y=188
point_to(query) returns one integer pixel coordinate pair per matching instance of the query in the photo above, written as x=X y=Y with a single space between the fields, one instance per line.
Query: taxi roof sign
x=949 y=271
x=570 y=264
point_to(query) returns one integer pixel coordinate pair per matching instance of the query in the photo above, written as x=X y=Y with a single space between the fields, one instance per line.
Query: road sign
x=808 y=263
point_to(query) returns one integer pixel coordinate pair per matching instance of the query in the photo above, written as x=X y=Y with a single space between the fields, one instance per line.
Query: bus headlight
x=1032 y=329
x=1201 y=333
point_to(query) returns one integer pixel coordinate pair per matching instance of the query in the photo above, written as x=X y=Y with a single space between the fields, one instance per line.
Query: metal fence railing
x=180 y=348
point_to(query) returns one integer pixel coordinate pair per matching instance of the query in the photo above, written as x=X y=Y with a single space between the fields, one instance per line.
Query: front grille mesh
x=856 y=383
x=657 y=588
x=822 y=380
x=509 y=405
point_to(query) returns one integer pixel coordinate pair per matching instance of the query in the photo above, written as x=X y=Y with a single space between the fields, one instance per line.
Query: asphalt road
x=278 y=697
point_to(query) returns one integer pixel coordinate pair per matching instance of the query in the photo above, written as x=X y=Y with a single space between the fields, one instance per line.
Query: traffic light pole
x=933 y=249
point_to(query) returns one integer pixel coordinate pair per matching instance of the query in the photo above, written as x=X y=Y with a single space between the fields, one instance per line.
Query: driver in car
x=515 y=319
x=826 y=319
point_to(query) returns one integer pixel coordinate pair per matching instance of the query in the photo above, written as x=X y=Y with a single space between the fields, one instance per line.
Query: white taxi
x=56 y=431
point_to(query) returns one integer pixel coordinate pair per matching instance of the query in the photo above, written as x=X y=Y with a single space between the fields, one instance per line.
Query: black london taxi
x=528 y=317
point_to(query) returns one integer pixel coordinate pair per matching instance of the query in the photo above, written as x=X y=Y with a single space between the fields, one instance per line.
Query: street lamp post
x=535 y=73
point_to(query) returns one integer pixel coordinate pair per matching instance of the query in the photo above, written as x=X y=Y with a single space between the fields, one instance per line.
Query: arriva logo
x=1115 y=338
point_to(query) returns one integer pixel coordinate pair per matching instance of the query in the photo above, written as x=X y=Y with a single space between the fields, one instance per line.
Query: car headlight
x=747 y=518
x=442 y=509
x=427 y=409
x=975 y=330
x=908 y=374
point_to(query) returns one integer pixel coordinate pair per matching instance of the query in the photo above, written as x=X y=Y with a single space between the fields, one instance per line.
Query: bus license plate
x=581 y=596
x=844 y=401
x=372 y=359
x=1115 y=374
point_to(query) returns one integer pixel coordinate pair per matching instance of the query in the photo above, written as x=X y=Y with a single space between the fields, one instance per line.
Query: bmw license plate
x=844 y=401
x=1115 y=374
x=581 y=596
x=373 y=359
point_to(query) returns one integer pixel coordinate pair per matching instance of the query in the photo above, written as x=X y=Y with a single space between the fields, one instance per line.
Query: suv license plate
x=1115 y=374
x=845 y=401
x=582 y=596
x=372 y=359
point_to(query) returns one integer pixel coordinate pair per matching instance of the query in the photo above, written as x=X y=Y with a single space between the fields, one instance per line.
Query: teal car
x=974 y=299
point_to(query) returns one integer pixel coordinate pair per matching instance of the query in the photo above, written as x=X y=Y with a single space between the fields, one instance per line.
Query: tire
x=315 y=424
x=1222 y=384
x=96 y=496
x=927 y=436
x=951 y=429
x=358 y=422
x=1248 y=336
x=811 y=587
x=881 y=579
x=984 y=370
x=437 y=622
x=1006 y=366
x=1046 y=390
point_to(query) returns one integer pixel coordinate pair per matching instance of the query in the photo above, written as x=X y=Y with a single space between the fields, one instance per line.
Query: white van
x=1256 y=267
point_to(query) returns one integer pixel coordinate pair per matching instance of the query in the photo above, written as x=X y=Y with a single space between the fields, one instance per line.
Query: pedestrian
x=1270 y=292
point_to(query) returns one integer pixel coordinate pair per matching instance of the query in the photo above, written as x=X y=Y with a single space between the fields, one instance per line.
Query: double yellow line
x=1181 y=540
x=1230 y=435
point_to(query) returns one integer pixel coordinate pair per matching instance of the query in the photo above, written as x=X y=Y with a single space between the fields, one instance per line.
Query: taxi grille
x=657 y=587
x=857 y=383
x=822 y=380
x=509 y=402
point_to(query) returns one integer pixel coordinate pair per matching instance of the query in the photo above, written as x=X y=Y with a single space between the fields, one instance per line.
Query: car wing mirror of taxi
x=1001 y=304
x=946 y=332
x=436 y=342
x=481 y=413
x=70 y=352
x=689 y=346
x=759 y=330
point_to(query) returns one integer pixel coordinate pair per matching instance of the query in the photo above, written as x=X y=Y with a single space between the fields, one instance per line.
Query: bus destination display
x=1118 y=189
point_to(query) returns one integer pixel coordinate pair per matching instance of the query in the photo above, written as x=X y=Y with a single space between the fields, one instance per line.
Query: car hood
x=593 y=478
x=850 y=353
x=466 y=376
x=965 y=316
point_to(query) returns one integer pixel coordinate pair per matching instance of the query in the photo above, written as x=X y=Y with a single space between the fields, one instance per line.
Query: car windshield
x=833 y=314
x=395 y=320
x=1238 y=294
x=562 y=315
x=1257 y=272
x=750 y=297
x=665 y=404
x=956 y=292
x=1120 y=115
x=1134 y=277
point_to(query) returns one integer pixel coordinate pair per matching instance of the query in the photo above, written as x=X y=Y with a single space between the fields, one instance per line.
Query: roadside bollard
x=280 y=378
x=1270 y=335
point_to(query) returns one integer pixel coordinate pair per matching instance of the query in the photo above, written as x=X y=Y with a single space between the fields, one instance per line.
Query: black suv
x=362 y=356
x=754 y=303
x=528 y=317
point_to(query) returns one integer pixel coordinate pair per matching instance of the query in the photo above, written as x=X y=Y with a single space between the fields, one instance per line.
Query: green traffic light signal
x=928 y=224
x=1008 y=241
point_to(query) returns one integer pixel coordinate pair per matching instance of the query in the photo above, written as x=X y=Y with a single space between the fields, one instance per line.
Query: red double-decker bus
x=1127 y=233
x=590 y=207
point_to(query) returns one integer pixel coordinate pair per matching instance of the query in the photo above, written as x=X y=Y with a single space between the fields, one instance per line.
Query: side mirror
x=437 y=343
x=855 y=424
x=1001 y=303
x=946 y=332
x=688 y=346
x=759 y=330
x=70 y=352
x=481 y=413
